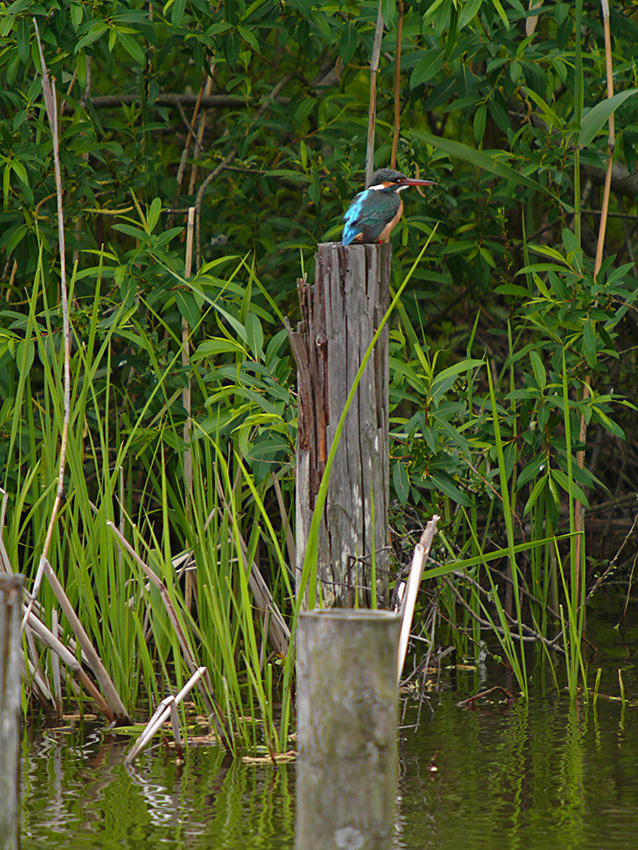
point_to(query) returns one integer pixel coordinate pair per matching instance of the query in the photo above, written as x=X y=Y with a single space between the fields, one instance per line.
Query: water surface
x=543 y=776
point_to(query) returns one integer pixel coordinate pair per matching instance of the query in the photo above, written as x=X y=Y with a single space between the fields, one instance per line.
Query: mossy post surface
x=347 y=712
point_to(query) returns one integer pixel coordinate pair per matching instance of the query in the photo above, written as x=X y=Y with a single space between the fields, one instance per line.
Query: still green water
x=544 y=776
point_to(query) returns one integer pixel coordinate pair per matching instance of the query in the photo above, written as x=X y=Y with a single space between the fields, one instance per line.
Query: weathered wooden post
x=347 y=706
x=340 y=315
x=10 y=683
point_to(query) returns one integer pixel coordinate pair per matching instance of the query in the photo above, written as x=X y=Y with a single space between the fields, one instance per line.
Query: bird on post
x=374 y=212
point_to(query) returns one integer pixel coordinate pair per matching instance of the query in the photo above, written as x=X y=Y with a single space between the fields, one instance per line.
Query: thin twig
x=172 y=99
x=200 y=136
x=471 y=700
x=530 y=637
x=611 y=141
x=226 y=162
x=613 y=563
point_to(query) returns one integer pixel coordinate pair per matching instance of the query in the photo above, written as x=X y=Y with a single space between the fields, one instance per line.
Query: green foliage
x=511 y=122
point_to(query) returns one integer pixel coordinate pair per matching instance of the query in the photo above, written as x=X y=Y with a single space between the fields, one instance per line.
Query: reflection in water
x=78 y=793
x=548 y=776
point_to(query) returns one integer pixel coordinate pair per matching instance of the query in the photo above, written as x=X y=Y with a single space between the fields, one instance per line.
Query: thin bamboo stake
x=372 y=108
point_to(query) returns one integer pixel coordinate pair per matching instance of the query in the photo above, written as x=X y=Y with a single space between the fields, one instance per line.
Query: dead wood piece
x=471 y=700
x=340 y=314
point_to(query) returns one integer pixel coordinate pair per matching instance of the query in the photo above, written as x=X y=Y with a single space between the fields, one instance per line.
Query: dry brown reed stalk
x=579 y=510
x=90 y=654
x=50 y=101
x=186 y=397
x=196 y=136
x=204 y=683
x=111 y=705
x=397 y=80
x=372 y=107
x=46 y=636
x=200 y=132
x=55 y=668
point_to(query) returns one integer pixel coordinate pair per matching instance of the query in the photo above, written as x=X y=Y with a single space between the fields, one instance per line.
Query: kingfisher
x=374 y=212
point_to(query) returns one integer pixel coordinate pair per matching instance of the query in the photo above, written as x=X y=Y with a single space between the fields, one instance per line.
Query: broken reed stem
x=411 y=589
x=50 y=101
x=372 y=108
x=397 y=81
x=167 y=707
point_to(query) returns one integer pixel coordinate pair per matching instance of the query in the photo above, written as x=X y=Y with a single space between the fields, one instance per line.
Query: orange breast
x=385 y=233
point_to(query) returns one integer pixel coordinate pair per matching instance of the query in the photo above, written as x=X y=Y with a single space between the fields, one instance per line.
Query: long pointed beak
x=412 y=181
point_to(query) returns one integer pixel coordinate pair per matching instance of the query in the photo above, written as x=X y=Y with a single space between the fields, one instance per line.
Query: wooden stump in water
x=347 y=712
x=10 y=682
x=340 y=314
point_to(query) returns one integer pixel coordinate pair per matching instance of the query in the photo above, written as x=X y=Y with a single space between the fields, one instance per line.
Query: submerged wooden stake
x=11 y=664
x=340 y=315
x=347 y=706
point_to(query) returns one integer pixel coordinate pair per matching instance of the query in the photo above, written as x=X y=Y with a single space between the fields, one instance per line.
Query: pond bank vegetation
x=147 y=397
